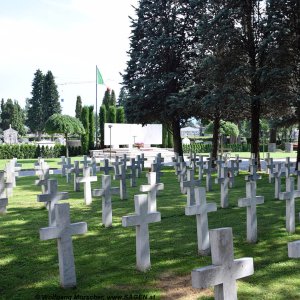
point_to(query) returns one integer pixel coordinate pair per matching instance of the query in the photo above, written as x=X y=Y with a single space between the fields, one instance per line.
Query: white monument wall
x=127 y=134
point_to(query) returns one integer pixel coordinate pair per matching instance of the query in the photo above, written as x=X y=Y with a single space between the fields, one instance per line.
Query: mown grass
x=105 y=257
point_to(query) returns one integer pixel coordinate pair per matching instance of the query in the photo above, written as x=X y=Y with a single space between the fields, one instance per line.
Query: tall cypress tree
x=102 y=120
x=18 y=118
x=113 y=98
x=122 y=96
x=91 y=128
x=78 y=108
x=35 y=115
x=120 y=115
x=86 y=124
x=111 y=115
x=50 y=100
x=106 y=99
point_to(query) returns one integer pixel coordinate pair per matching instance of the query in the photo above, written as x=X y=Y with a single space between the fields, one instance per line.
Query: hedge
x=207 y=148
x=34 y=151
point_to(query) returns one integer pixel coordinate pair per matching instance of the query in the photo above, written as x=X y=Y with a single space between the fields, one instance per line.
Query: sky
x=69 y=38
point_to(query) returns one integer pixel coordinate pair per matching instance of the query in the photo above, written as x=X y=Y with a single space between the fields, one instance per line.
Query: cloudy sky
x=68 y=37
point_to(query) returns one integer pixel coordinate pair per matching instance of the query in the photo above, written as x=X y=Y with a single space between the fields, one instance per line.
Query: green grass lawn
x=105 y=257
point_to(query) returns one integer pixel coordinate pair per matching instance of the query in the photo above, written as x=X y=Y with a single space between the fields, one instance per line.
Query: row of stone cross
x=59 y=219
x=225 y=270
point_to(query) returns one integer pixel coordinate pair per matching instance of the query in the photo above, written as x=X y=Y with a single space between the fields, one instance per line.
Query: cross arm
x=78 y=228
x=200 y=209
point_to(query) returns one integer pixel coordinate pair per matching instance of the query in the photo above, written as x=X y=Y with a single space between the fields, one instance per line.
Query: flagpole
x=96 y=112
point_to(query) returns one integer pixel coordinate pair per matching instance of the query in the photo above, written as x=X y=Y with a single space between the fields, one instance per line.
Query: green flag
x=99 y=77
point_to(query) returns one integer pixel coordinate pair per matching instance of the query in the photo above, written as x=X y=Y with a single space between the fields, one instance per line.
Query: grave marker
x=200 y=164
x=152 y=188
x=250 y=202
x=63 y=232
x=106 y=168
x=106 y=192
x=225 y=269
x=86 y=180
x=51 y=198
x=122 y=177
x=190 y=185
x=132 y=175
x=85 y=162
x=61 y=163
x=68 y=167
x=200 y=209
x=224 y=181
x=140 y=220
x=289 y=198
x=277 y=175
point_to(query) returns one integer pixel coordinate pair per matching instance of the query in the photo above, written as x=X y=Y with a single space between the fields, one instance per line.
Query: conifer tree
x=120 y=115
x=86 y=125
x=102 y=121
x=113 y=98
x=78 y=108
x=111 y=115
x=35 y=115
x=7 y=112
x=18 y=118
x=50 y=99
x=91 y=127
x=106 y=99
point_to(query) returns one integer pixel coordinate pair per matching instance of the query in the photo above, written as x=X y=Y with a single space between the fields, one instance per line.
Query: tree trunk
x=298 y=148
x=273 y=135
x=216 y=132
x=177 y=138
x=255 y=127
x=67 y=148
x=39 y=135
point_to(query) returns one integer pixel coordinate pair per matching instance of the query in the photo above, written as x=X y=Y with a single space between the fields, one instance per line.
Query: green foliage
x=102 y=120
x=226 y=128
x=164 y=136
x=35 y=117
x=122 y=96
x=7 y=111
x=64 y=124
x=86 y=124
x=120 y=115
x=111 y=115
x=24 y=151
x=106 y=99
x=113 y=98
x=50 y=100
x=91 y=128
x=18 y=119
x=78 y=108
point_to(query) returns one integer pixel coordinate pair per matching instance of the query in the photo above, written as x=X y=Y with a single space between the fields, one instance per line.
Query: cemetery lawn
x=105 y=257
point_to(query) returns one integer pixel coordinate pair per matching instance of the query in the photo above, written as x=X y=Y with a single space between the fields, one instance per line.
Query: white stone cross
x=140 y=220
x=86 y=180
x=288 y=165
x=224 y=181
x=225 y=269
x=93 y=166
x=85 y=162
x=63 y=232
x=68 y=168
x=132 y=175
x=3 y=205
x=61 y=163
x=116 y=165
x=106 y=192
x=44 y=174
x=176 y=163
x=193 y=159
x=106 y=168
x=253 y=174
x=278 y=174
x=40 y=161
x=270 y=167
x=237 y=162
x=76 y=171
x=190 y=184
x=122 y=177
x=10 y=175
x=231 y=172
x=289 y=198
x=143 y=159
x=51 y=198
x=200 y=164
x=250 y=202
x=182 y=176
x=155 y=167
x=200 y=209
x=209 y=170
x=152 y=188
x=4 y=186
x=138 y=165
